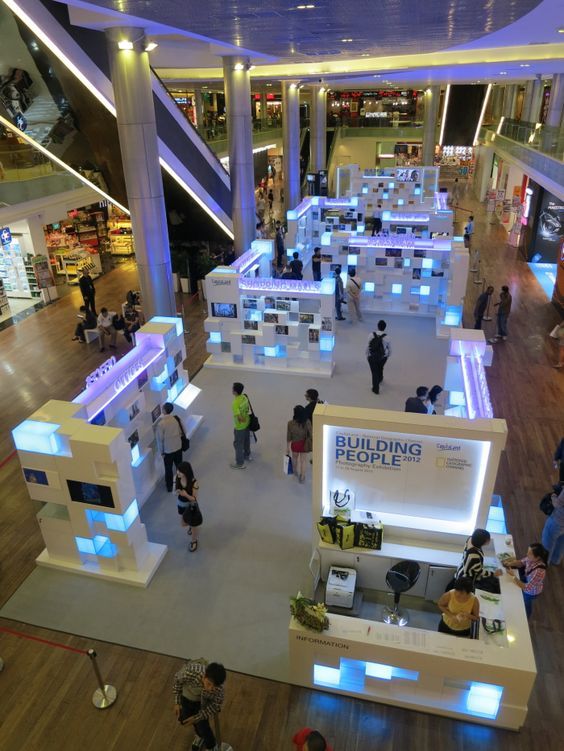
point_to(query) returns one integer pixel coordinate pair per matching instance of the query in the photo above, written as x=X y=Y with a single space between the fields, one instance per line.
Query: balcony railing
x=546 y=140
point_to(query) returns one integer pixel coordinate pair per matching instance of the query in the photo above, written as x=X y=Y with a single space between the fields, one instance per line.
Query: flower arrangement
x=308 y=613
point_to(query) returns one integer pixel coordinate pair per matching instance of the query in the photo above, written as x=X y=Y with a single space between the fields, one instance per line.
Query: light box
x=40 y=437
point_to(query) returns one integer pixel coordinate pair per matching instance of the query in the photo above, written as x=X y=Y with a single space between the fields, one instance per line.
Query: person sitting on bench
x=88 y=321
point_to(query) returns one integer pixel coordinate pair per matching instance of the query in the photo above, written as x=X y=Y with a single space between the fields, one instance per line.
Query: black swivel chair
x=400 y=578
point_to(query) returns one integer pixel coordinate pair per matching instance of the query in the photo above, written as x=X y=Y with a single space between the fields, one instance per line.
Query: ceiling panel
x=334 y=27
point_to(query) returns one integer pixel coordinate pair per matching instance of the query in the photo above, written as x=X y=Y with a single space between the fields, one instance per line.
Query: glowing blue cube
x=326 y=343
x=424 y=290
x=386 y=215
x=391 y=186
x=40 y=437
x=352 y=260
x=406 y=262
x=215 y=337
x=397 y=289
x=400 y=201
x=456 y=398
x=325 y=676
x=376 y=670
x=483 y=699
x=417 y=192
x=427 y=263
x=369 y=286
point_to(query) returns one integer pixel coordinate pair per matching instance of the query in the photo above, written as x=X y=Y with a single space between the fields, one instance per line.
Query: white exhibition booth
x=93 y=462
x=260 y=323
x=429 y=480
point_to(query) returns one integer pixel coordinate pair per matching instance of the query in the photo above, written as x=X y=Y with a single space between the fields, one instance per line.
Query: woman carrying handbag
x=298 y=438
x=188 y=507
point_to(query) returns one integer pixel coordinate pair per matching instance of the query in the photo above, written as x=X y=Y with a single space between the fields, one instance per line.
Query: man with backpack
x=377 y=354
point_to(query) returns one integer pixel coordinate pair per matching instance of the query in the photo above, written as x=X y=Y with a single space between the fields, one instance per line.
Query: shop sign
x=5 y=236
x=104 y=368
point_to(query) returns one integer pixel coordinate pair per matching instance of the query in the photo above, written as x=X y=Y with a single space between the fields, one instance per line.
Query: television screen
x=87 y=492
x=35 y=476
x=133 y=438
x=393 y=252
x=142 y=380
x=173 y=378
x=224 y=310
x=380 y=261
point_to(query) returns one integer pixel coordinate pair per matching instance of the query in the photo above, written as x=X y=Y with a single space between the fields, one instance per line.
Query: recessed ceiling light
x=346 y=39
x=365 y=54
x=524 y=65
x=561 y=30
x=269 y=84
x=309 y=6
x=502 y=72
x=378 y=75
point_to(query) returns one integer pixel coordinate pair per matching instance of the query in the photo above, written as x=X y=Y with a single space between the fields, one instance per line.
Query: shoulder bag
x=254 y=423
x=184 y=438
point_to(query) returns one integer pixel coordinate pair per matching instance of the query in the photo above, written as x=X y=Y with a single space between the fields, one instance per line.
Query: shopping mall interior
x=254 y=188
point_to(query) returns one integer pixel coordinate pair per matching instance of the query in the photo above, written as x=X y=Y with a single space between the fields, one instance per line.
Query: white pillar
x=318 y=129
x=497 y=103
x=553 y=123
x=536 y=99
x=510 y=101
x=240 y=138
x=198 y=107
x=432 y=96
x=263 y=110
x=291 y=143
x=131 y=80
x=527 y=102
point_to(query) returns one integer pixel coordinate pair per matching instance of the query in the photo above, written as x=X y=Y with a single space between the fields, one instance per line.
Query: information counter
x=488 y=680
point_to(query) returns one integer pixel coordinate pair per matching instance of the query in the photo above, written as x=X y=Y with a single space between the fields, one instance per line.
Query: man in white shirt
x=106 y=329
x=354 y=286
x=169 y=441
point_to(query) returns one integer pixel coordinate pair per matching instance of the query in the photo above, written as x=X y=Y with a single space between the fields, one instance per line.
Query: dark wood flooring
x=45 y=692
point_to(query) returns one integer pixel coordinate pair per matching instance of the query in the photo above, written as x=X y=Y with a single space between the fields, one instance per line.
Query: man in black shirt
x=297 y=266
x=416 y=403
x=316 y=264
x=88 y=291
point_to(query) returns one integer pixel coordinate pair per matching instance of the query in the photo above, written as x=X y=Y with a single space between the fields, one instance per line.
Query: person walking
x=354 y=288
x=88 y=291
x=339 y=294
x=279 y=242
x=169 y=441
x=460 y=607
x=481 y=306
x=88 y=321
x=532 y=570
x=417 y=403
x=198 y=697
x=270 y=200
x=316 y=265
x=188 y=507
x=553 y=532
x=455 y=193
x=503 y=311
x=377 y=353
x=298 y=437
x=106 y=328
x=559 y=460
x=241 y=419
x=469 y=231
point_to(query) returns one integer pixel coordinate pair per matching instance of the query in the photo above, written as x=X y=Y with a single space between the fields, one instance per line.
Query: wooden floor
x=45 y=692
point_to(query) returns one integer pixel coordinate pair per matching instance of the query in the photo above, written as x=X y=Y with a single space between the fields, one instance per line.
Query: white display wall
x=259 y=323
x=94 y=461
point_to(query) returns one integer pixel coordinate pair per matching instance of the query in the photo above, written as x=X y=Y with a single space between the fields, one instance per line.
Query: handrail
x=185 y=119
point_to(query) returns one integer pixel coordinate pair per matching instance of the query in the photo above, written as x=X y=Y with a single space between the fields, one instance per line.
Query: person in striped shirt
x=532 y=570
x=198 y=695
x=472 y=564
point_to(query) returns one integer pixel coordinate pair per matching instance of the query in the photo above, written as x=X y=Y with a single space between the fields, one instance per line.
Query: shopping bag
x=288 y=468
x=345 y=536
x=326 y=527
x=369 y=536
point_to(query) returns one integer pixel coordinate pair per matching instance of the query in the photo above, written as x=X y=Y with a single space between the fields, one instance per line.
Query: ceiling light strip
x=482 y=113
x=53 y=158
x=38 y=31
x=445 y=109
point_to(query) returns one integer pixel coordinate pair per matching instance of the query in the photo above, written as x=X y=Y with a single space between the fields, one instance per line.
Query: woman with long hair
x=188 y=507
x=532 y=570
x=298 y=437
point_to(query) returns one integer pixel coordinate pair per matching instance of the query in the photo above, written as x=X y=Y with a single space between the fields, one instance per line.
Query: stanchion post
x=487 y=316
x=477 y=280
x=105 y=695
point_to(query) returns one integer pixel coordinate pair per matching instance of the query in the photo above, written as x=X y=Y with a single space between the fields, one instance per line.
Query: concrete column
x=536 y=99
x=553 y=124
x=318 y=129
x=509 y=101
x=131 y=80
x=237 y=82
x=527 y=101
x=291 y=143
x=199 y=107
x=432 y=97
x=263 y=110
x=497 y=103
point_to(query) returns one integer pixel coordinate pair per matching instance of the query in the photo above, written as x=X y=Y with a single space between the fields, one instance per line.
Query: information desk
x=488 y=680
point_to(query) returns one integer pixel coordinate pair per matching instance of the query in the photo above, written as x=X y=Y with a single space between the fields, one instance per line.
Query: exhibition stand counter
x=429 y=480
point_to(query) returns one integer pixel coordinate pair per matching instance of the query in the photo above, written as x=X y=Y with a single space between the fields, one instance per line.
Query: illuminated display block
x=215 y=337
x=417 y=191
x=456 y=398
x=391 y=186
x=406 y=263
x=385 y=195
x=352 y=260
x=40 y=437
x=369 y=286
x=424 y=290
x=427 y=263
x=375 y=670
x=483 y=700
x=325 y=676
x=327 y=343
x=397 y=289
x=400 y=202
x=453 y=316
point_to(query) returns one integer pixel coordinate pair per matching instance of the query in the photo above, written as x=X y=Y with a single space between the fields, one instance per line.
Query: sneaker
x=493 y=340
x=237 y=466
x=197 y=744
x=249 y=458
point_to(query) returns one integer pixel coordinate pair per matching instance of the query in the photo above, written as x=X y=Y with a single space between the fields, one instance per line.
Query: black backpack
x=376 y=347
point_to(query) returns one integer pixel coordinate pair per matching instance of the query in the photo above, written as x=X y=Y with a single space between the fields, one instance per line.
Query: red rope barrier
x=43 y=641
x=7 y=458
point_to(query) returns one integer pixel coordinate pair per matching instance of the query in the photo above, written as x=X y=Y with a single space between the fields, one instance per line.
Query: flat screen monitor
x=87 y=492
x=224 y=310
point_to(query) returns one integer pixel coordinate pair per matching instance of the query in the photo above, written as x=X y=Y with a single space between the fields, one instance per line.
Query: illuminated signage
x=99 y=372
x=128 y=375
x=5 y=236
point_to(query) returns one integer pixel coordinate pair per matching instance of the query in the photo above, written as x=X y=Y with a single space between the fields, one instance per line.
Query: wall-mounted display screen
x=224 y=310
x=156 y=413
x=87 y=492
x=35 y=476
x=142 y=380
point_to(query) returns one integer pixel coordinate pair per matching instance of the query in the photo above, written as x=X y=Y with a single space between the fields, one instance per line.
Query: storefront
x=544 y=249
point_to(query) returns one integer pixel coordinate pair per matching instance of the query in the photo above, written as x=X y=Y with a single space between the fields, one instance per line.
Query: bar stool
x=400 y=578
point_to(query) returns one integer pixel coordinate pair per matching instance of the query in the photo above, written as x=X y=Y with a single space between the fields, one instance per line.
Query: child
x=310 y=740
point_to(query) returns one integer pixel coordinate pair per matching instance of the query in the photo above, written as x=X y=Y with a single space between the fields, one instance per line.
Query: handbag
x=546 y=505
x=369 y=536
x=288 y=468
x=192 y=515
x=254 y=423
x=327 y=528
x=345 y=536
x=183 y=437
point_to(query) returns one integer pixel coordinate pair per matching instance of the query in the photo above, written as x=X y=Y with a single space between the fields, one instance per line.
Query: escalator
x=61 y=96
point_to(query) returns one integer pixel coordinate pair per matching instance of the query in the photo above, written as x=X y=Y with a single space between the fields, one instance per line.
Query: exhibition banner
x=406 y=474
